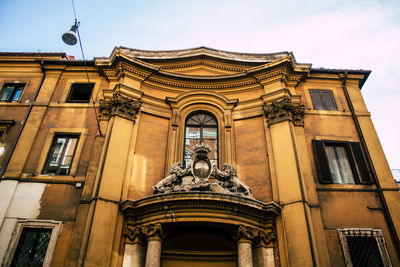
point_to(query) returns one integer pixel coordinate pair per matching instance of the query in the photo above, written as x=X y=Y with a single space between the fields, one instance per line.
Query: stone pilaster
x=284 y=112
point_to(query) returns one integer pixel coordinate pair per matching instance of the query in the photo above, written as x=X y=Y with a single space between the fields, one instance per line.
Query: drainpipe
x=364 y=147
x=23 y=122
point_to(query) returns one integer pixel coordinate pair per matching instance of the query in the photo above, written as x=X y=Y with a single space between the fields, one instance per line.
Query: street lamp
x=70 y=37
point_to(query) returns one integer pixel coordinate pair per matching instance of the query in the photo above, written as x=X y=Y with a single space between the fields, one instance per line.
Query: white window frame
x=26 y=223
x=363 y=232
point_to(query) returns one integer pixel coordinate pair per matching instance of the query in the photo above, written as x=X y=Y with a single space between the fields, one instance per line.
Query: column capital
x=152 y=231
x=119 y=105
x=245 y=234
x=265 y=238
x=133 y=234
x=283 y=110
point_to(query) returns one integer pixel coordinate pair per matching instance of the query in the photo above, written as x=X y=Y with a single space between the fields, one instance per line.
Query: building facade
x=196 y=156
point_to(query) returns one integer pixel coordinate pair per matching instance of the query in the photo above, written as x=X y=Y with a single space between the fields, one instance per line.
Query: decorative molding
x=119 y=105
x=204 y=63
x=285 y=109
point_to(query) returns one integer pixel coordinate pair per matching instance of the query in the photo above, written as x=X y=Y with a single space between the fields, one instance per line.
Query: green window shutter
x=321 y=160
x=362 y=166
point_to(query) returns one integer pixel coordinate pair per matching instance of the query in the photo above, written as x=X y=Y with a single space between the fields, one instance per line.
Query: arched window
x=200 y=127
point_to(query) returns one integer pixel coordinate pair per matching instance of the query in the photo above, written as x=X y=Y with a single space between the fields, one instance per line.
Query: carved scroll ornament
x=284 y=109
x=119 y=105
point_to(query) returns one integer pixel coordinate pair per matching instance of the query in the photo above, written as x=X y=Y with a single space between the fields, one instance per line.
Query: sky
x=345 y=34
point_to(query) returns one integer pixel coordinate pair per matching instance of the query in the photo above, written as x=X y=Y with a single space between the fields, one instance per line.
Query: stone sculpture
x=197 y=176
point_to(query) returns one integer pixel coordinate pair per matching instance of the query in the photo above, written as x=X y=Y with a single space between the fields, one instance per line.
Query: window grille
x=364 y=247
x=32 y=247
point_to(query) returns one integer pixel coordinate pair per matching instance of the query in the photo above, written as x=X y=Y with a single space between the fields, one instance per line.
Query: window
x=32 y=247
x=11 y=92
x=32 y=243
x=323 y=100
x=364 y=247
x=200 y=128
x=80 y=93
x=61 y=154
x=341 y=162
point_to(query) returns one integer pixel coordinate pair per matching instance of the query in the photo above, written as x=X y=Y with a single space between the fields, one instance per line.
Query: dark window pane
x=80 y=93
x=364 y=251
x=32 y=247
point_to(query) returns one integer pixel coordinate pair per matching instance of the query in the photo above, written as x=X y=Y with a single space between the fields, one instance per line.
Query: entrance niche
x=199 y=244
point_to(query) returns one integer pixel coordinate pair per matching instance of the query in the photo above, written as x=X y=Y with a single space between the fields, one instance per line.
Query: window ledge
x=335 y=112
x=56 y=179
x=346 y=187
x=73 y=105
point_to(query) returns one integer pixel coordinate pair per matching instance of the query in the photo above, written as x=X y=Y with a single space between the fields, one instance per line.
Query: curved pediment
x=202 y=67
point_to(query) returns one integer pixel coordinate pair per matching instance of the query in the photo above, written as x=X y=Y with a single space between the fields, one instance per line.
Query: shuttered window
x=323 y=100
x=341 y=162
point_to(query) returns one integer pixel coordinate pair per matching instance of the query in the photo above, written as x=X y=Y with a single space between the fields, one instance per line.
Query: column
x=134 y=253
x=121 y=112
x=245 y=236
x=283 y=112
x=154 y=234
x=264 y=250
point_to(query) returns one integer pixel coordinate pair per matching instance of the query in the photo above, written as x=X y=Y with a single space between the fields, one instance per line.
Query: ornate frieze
x=196 y=177
x=119 y=105
x=283 y=110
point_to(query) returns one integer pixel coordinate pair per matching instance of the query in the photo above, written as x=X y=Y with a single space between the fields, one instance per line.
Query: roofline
x=202 y=50
x=366 y=73
x=45 y=54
